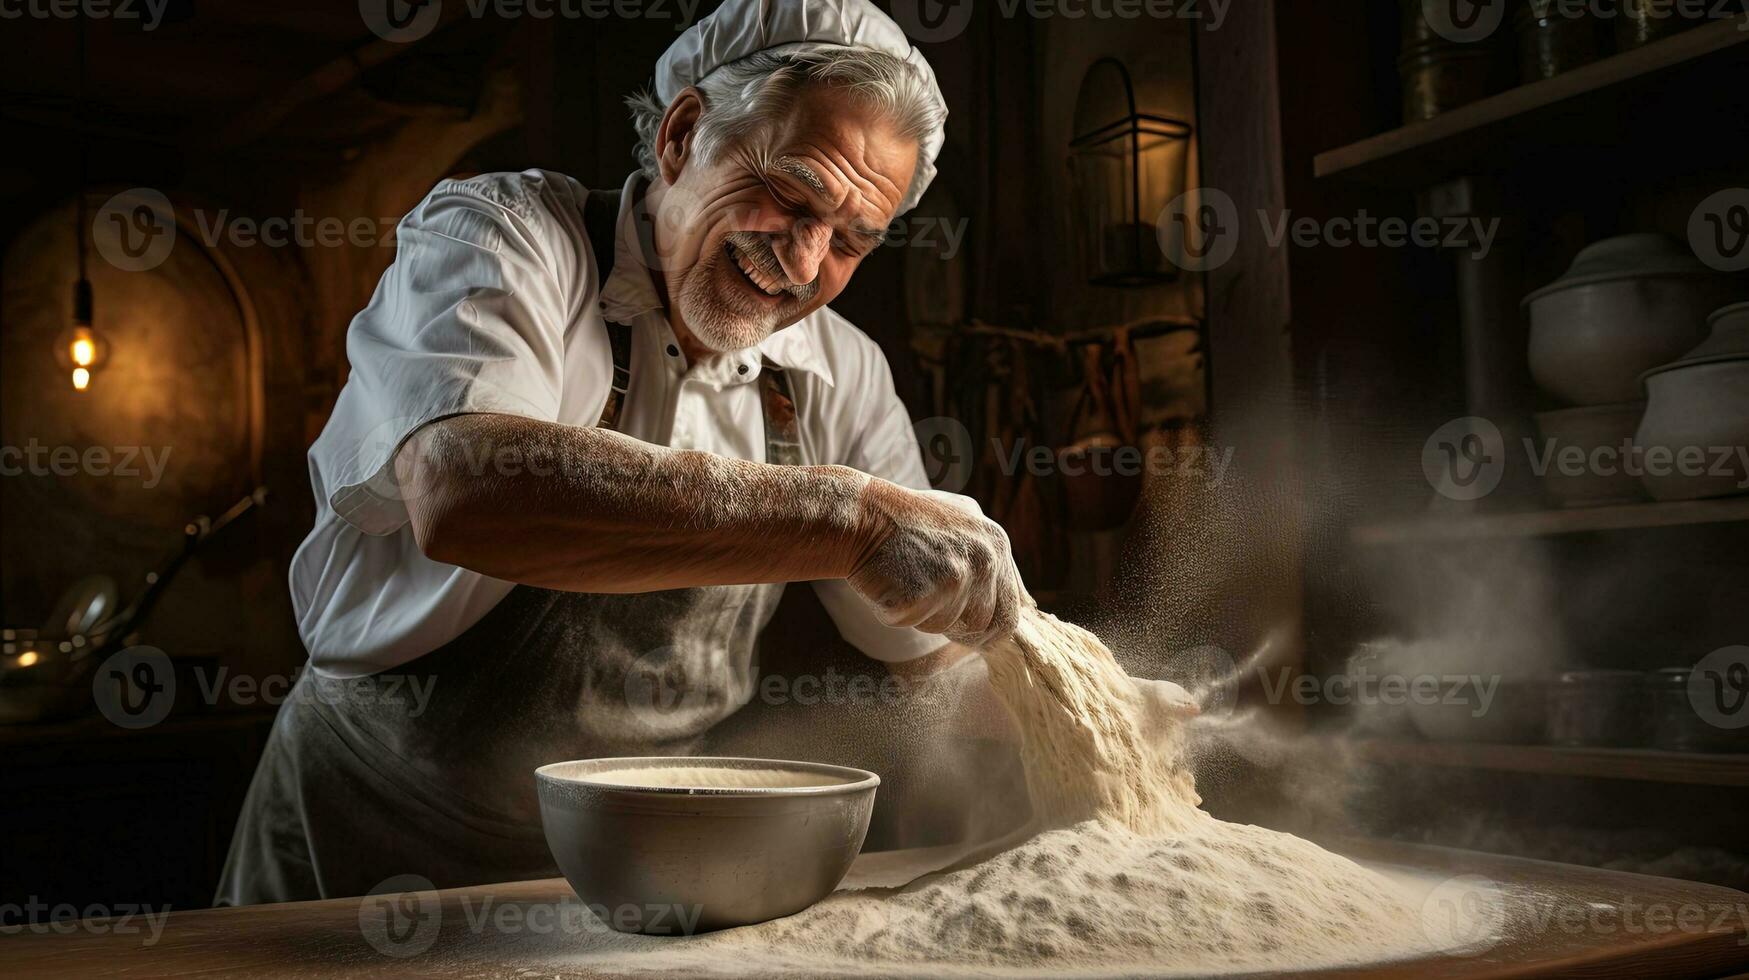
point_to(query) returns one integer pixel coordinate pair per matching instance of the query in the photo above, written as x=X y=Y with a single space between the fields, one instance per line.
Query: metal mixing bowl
x=672 y=860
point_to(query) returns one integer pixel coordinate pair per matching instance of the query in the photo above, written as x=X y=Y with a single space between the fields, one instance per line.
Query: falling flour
x=1083 y=746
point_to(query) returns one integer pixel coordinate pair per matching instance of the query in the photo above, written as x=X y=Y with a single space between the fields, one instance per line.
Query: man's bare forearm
x=588 y=510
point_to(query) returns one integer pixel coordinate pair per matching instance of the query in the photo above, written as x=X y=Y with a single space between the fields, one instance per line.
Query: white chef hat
x=740 y=28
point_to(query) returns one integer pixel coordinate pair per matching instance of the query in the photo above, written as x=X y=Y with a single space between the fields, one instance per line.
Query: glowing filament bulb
x=81 y=378
x=83 y=351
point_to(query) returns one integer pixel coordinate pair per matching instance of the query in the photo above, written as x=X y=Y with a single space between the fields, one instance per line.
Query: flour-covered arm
x=586 y=510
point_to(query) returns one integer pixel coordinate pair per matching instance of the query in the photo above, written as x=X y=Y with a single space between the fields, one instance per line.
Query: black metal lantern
x=1125 y=167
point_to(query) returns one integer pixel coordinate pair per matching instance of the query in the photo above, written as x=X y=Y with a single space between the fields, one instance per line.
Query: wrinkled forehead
x=844 y=151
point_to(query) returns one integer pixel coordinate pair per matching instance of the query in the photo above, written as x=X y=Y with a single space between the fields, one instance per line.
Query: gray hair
x=743 y=97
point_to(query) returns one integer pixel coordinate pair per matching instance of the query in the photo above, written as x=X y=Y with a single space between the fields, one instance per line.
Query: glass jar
x=1597 y=708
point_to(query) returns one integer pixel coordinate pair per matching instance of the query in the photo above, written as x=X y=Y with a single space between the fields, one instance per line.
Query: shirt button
x=741 y=369
x=673 y=351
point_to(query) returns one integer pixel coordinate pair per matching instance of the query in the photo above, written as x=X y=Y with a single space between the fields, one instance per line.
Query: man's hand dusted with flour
x=588 y=433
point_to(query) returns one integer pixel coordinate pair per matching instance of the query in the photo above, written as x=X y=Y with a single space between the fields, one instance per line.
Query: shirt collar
x=630 y=293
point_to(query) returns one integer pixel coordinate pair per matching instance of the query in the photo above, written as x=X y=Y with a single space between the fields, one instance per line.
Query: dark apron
x=428 y=769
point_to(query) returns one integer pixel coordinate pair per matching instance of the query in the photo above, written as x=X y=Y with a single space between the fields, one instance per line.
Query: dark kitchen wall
x=225 y=353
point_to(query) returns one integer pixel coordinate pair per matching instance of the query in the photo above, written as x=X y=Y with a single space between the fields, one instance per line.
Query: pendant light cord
x=79 y=130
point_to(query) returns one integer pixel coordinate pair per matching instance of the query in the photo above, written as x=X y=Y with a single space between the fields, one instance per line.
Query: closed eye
x=855 y=242
x=859 y=242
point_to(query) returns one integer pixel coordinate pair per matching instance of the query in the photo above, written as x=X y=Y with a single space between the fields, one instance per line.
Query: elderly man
x=586 y=440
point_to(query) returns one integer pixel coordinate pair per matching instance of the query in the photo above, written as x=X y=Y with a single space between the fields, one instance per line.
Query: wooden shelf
x=1646 y=765
x=1561 y=128
x=1538 y=523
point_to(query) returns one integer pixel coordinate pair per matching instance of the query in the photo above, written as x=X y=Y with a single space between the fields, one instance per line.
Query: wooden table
x=1566 y=921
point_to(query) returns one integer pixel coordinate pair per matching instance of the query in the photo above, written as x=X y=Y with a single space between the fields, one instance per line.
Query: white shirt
x=492 y=305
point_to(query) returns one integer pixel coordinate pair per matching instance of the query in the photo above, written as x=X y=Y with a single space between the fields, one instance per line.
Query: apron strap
x=600 y=217
x=619 y=338
x=783 y=444
x=600 y=221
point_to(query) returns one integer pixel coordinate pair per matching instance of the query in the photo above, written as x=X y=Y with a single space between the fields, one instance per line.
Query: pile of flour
x=1096 y=896
x=1131 y=875
x=1127 y=876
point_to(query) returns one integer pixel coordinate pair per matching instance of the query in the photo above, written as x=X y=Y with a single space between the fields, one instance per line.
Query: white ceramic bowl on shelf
x=1698 y=408
x=1626 y=305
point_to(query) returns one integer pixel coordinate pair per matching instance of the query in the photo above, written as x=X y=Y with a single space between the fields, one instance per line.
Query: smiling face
x=772 y=228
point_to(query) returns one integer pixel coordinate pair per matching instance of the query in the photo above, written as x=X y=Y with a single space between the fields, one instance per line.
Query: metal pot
x=1626 y=305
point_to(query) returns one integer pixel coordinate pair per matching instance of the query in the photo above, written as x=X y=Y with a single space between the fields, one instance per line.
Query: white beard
x=723 y=323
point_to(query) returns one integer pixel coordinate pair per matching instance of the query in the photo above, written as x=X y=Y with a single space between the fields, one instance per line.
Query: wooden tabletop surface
x=1561 y=920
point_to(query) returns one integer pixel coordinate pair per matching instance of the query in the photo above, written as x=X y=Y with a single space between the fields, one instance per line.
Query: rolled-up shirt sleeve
x=471 y=317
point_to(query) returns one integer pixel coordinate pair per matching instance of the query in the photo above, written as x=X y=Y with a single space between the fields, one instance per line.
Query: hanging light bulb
x=80 y=349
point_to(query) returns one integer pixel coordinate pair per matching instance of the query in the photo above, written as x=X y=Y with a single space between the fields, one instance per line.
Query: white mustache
x=757 y=249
